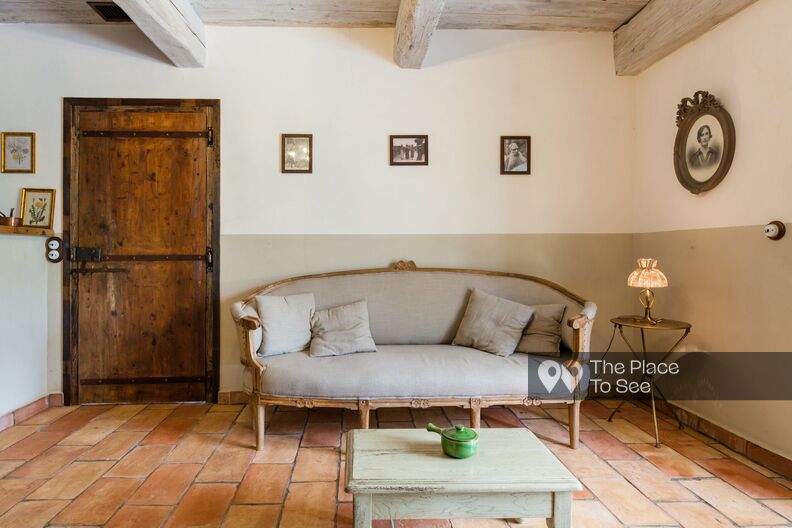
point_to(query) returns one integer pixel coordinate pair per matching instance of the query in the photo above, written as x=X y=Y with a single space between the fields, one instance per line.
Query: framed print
x=705 y=143
x=296 y=153
x=409 y=150
x=18 y=152
x=515 y=155
x=38 y=206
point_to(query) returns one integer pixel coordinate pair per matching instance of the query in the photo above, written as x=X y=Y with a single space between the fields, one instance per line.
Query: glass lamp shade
x=647 y=275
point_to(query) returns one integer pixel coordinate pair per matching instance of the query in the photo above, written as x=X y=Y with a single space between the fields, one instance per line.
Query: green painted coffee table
x=403 y=474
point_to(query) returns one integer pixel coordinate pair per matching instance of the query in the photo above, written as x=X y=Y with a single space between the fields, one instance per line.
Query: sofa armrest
x=249 y=329
x=582 y=325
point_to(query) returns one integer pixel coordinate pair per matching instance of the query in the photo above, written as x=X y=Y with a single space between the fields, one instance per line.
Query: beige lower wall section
x=593 y=266
x=733 y=285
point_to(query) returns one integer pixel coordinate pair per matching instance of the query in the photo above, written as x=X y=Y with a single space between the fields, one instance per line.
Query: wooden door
x=141 y=225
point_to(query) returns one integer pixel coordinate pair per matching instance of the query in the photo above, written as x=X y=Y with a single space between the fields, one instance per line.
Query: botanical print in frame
x=297 y=153
x=515 y=155
x=705 y=142
x=38 y=206
x=409 y=150
x=18 y=152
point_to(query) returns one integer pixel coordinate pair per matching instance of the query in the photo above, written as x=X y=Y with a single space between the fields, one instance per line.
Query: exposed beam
x=415 y=24
x=173 y=26
x=664 y=26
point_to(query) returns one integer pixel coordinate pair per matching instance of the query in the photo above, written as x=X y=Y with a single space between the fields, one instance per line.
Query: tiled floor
x=194 y=465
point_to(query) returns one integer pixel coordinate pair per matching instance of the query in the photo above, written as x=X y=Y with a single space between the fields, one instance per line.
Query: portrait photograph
x=409 y=150
x=18 y=152
x=297 y=153
x=37 y=207
x=704 y=148
x=515 y=155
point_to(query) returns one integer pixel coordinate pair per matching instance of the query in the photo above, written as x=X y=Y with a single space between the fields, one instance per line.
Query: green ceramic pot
x=457 y=442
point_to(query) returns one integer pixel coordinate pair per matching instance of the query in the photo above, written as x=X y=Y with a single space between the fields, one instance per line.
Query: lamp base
x=647 y=298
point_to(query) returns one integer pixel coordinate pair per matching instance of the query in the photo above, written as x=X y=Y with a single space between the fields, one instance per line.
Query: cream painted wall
x=23 y=321
x=732 y=283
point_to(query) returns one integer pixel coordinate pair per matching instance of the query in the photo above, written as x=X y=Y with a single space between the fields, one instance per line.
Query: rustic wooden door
x=141 y=225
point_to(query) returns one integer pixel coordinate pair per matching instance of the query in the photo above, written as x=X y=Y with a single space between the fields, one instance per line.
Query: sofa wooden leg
x=475 y=413
x=258 y=411
x=363 y=409
x=574 y=424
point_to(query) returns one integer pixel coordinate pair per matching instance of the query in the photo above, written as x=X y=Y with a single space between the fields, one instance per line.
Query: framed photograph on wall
x=18 y=152
x=409 y=150
x=297 y=153
x=515 y=155
x=38 y=207
x=705 y=142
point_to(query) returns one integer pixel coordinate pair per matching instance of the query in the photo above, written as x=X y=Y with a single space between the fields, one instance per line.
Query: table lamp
x=646 y=277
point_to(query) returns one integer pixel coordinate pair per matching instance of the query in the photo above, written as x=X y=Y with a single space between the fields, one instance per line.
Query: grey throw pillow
x=341 y=330
x=492 y=324
x=542 y=336
x=285 y=322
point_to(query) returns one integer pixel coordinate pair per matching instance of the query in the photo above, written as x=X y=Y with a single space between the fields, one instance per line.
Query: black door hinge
x=210 y=258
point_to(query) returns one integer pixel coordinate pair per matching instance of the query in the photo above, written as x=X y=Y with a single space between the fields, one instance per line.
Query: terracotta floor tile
x=626 y=502
x=139 y=517
x=99 y=502
x=745 y=479
x=114 y=446
x=252 y=516
x=784 y=482
x=170 y=430
x=670 y=462
x=146 y=420
x=48 y=463
x=396 y=414
x=651 y=481
x=227 y=464
x=244 y=416
x=92 y=433
x=240 y=435
x=31 y=514
x=225 y=408
x=286 y=422
x=421 y=417
x=343 y=496
x=606 y=446
x=624 y=431
x=733 y=503
x=410 y=425
x=325 y=415
x=72 y=481
x=344 y=515
x=479 y=523
x=170 y=406
x=49 y=415
x=191 y=410
x=592 y=514
x=309 y=505
x=122 y=412
x=594 y=409
x=784 y=507
x=204 y=505
x=613 y=403
x=195 y=448
x=548 y=429
x=583 y=494
x=166 y=485
x=745 y=460
x=322 y=434
x=140 y=462
x=527 y=412
x=14 y=490
x=422 y=523
x=264 y=484
x=7 y=466
x=500 y=417
x=696 y=515
x=316 y=464
x=31 y=446
x=583 y=462
x=278 y=449
x=562 y=415
x=77 y=419
x=214 y=423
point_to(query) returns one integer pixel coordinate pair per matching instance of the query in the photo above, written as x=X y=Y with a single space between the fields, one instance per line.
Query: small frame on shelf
x=515 y=155
x=409 y=149
x=18 y=152
x=297 y=153
x=38 y=206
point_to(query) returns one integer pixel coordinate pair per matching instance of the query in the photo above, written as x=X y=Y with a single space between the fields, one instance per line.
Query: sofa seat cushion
x=406 y=371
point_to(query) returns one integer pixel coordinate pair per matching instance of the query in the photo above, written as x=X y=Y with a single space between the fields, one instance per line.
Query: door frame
x=70 y=172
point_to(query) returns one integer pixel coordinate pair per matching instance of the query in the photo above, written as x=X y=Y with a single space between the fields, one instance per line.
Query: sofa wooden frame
x=581 y=325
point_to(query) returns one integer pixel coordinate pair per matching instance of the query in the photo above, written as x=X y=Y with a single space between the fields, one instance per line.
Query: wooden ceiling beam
x=664 y=26
x=173 y=26
x=415 y=24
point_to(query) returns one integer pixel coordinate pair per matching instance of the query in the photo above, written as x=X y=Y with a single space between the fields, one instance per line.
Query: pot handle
x=434 y=429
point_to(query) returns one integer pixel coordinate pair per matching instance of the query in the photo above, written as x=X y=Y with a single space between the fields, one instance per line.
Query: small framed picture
x=515 y=155
x=296 y=153
x=38 y=206
x=18 y=152
x=409 y=150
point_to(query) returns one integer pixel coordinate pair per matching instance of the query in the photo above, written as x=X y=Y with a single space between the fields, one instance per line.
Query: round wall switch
x=54 y=247
x=775 y=230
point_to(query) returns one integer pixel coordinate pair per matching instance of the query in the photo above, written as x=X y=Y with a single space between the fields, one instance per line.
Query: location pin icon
x=549 y=372
x=568 y=377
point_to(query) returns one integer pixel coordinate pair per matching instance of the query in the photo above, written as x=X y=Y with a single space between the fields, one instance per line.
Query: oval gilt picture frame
x=705 y=143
